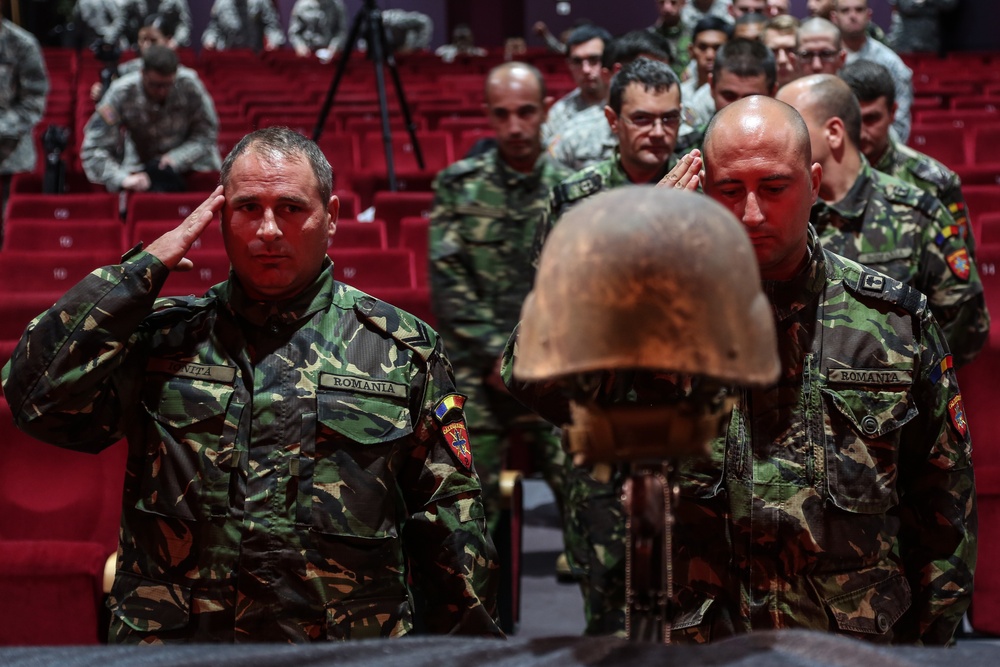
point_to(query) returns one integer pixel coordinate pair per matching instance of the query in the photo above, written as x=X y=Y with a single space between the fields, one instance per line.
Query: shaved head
x=754 y=116
x=514 y=73
x=820 y=97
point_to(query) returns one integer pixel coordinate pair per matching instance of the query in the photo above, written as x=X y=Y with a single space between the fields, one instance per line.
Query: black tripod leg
x=377 y=45
x=352 y=39
x=410 y=126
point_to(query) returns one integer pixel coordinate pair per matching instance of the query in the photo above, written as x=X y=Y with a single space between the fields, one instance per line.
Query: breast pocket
x=347 y=483
x=862 y=446
x=189 y=452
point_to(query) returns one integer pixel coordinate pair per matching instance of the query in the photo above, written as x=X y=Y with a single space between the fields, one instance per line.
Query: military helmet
x=652 y=278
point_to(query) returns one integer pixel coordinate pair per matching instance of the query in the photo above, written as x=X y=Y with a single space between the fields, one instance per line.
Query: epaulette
x=460 y=169
x=571 y=191
x=930 y=171
x=868 y=283
x=406 y=329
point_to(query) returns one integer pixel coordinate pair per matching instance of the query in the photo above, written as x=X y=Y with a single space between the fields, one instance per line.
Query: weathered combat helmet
x=648 y=278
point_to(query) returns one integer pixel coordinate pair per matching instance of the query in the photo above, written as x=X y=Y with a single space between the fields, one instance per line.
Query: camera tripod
x=368 y=22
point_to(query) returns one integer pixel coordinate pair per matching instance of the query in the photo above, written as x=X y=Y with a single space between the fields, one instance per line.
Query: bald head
x=821 y=97
x=513 y=75
x=758 y=118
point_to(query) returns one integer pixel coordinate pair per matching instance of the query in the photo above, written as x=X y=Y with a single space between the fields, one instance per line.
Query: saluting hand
x=685 y=174
x=172 y=246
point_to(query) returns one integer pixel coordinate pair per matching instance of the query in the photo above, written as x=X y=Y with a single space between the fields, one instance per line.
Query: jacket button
x=869 y=425
x=883 y=622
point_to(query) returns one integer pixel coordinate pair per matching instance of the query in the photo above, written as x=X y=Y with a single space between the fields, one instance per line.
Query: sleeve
x=466 y=323
x=419 y=30
x=546 y=222
x=950 y=279
x=338 y=20
x=954 y=201
x=937 y=498
x=73 y=376
x=210 y=38
x=182 y=31
x=453 y=560
x=295 y=27
x=102 y=136
x=545 y=399
x=903 y=79
x=201 y=145
x=32 y=85
x=273 y=32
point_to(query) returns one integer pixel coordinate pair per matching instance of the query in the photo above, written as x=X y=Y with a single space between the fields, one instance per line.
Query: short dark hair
x=585 y=33
x=651 y=74
x=287 y=143
x=712 y=22
x=746 y=57
x=633 y=44
x=160 y=59
x=869 y=81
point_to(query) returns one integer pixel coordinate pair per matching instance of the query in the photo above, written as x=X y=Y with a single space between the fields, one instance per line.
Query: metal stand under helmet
x=368 y=22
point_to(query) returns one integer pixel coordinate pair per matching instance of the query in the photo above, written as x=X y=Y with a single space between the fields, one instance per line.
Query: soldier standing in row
x=169 y=123
x=24 y=83
x=298 y=465
x=872 y=85
x=881 y=222
x=243 y=24
x=485 y=213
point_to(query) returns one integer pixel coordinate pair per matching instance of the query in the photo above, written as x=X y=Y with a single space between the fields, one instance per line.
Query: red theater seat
x=22 y=234
x=88 y=206
x=394 y=206
x=372 y=270
x=413 y=234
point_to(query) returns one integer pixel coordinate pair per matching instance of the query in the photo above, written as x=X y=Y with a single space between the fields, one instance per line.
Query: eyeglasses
x=577 y=61
x=825 y=56
x=646 y=123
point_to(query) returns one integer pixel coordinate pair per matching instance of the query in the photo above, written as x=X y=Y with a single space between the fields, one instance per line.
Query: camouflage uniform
x=679 y=37
x=292 y=467
x=243 y=24
x=690 y=15
x=24 y=84
x=563 y=115
x=916 y=25
x=907 y=234
x=931 y=176
x=409 y=31
x=480 y=234
x=175 y=13
x=185 y=128
x=98 y=20
x=595 y=525
x=318 y=24
x=902 y=78
x=586 y=141
x=841 y=499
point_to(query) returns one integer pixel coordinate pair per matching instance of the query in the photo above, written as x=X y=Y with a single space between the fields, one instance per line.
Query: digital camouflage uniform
x=176 y=18
x=595 y=525
x=185 y=128
x=408 y=31
x=931 y=176
x=318 y=24
x=98 y=20
x=906 y=233
x=24 y=84
x=293 y=467
x=587 y=140
x=481 y=229
x=563 y=114
x=916 y=25
x=842 y=498
x=243 y=24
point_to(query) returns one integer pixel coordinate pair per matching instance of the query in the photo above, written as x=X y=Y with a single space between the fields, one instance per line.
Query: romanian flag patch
x=947 y=233
x=447 y=405
x=960 y=264
x=457 y=437
x=956 y=409
x=957 y=211
x=946 y=365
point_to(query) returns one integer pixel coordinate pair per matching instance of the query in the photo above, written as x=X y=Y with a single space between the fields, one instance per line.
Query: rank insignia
x=448 y=404
x=457 y=437
x=957 y=411
x=960 y=264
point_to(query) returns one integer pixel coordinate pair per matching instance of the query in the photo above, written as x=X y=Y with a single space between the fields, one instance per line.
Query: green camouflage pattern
x=481 y=228
x=842 y=499
x=679 y=37
x=24 y=83
x=288 y=479
x=185 y=129
x=905 y=233
x=933 y=177
x=604 y=175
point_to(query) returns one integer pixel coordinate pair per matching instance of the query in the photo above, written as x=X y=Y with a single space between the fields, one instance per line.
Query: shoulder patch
x=872 y=284
x=108 y=113
x=448 y=407
x=927 y=170
x=960 y=264
x=459 y=170
x=956 y=410
x=574 y=190
x=401 y=326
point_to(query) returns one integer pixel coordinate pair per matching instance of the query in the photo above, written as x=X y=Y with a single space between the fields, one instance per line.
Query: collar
x=516 y=179
x=848 y=213
x=315 y=297
x=788 y=297
x=887 y=162
x=620 y=177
